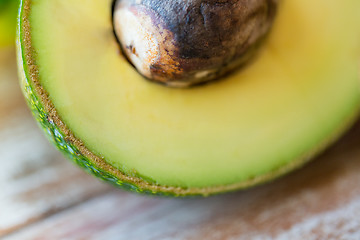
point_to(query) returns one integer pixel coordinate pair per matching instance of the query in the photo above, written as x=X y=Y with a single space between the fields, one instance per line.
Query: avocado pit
x=184 y=43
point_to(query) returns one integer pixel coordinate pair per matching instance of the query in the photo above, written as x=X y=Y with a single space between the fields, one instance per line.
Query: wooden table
x=43 y=196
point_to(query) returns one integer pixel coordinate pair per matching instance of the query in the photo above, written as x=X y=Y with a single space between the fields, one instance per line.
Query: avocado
x=297 y=96
x=8 y=12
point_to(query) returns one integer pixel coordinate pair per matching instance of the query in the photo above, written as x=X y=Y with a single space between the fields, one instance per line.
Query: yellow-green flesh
x=303 y=87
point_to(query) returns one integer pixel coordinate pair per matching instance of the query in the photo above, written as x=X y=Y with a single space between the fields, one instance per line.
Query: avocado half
x=299 y=95
x=8 y=12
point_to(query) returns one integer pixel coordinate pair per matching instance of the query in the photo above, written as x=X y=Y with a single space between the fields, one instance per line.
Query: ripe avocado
x=296 y=97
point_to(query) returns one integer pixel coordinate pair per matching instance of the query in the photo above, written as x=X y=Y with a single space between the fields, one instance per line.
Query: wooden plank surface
x=35 y=180
x=43 y=196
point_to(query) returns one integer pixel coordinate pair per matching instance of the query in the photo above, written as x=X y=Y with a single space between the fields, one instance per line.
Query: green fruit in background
x=8 y=13
x=299 y=95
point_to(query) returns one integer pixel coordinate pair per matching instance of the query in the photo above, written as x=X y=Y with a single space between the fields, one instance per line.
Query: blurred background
x=43 y=196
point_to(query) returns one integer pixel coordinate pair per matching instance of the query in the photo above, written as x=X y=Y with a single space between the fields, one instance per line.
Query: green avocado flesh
x=299 y=94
